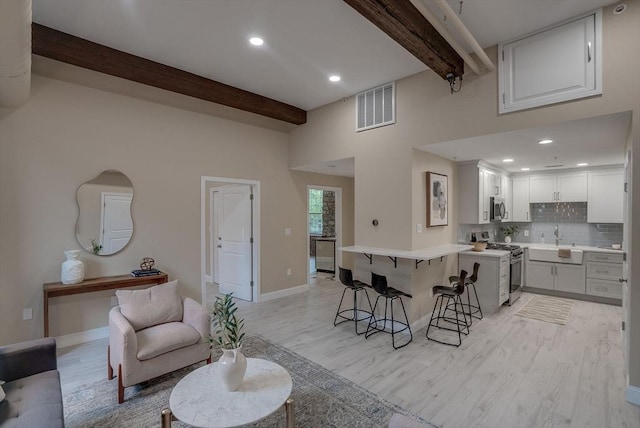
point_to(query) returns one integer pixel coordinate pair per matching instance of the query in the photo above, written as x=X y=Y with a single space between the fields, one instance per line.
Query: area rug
x=321 y=398
x=548 y=309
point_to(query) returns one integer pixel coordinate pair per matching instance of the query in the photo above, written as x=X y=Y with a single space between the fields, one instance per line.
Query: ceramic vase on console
x=232 y=367
x=72 y=268
x=507 y=239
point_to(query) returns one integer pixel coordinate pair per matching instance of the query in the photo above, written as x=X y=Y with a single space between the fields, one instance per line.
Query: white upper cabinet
x=520 y=200
x=606 y=196
x=555 y=65
x=505 y=190
x=542 y=188
x=478 y=184
x=570 y=187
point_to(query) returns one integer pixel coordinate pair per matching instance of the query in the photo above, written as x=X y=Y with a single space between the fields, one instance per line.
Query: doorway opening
x=324 y=230
x=230 y=247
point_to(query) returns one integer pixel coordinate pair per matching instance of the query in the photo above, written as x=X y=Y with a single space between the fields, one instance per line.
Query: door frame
x=213 y=232
x=338 y=258
x=204 y=221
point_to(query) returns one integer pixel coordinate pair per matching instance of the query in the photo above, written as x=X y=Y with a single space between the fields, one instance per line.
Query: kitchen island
x=406 y=271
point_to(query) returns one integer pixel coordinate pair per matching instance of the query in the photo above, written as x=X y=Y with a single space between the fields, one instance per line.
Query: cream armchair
x=153 y=332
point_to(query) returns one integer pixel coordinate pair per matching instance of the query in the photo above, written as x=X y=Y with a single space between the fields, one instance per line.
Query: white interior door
x=235 y=241
x=116 y=222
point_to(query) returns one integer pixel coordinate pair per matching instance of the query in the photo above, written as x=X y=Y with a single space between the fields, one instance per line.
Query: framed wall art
x=437 y=199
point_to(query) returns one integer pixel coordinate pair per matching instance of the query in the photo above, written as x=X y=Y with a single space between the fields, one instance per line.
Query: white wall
x=66 y=134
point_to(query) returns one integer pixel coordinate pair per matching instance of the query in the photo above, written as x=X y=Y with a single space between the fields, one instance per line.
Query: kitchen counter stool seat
x=390 y=294
x=469 y=283
x=452 y=294
x=357 y=315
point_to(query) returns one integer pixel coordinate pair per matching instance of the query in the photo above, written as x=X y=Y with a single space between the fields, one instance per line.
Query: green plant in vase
x=96 y=247
x=509 y=232
x=228 y=335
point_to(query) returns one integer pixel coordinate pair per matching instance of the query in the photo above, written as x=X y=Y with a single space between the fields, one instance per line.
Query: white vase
x=233 y=365
x=72 y=269
x=507 y=239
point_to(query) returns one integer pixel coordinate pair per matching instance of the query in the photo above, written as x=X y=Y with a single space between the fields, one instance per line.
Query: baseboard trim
x=421 y=322
x=283 y=293
x=633 y=395
x=72 y=339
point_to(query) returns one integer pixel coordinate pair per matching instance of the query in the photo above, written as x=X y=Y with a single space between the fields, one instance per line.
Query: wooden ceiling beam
x=401 y=21
x=74 y=50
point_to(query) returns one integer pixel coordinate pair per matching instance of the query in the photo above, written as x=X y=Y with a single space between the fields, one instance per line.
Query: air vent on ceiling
x=553 y=166
x=376 y=107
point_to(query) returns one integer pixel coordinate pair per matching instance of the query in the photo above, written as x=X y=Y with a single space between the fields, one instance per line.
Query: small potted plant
x=228 y=335
x=508 y=232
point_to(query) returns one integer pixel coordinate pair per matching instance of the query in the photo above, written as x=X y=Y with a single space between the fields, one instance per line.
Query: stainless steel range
x=515 y=271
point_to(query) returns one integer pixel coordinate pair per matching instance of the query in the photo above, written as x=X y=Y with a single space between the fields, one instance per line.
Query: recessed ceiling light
x=525 y=169
x=256 y=41
x=582 y=164
x=334 y=78
x=507 y=160
x=545 y=141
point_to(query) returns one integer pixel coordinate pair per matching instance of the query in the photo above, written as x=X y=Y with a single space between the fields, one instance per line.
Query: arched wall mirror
x=105 y=225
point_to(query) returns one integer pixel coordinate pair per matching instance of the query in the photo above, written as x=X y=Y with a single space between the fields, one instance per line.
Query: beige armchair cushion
x=163 y=338
x=152 y=306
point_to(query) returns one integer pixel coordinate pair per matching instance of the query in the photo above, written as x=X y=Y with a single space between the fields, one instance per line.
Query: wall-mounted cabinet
x=558 y=64
x=605 y=196
x=520 y=199
x=571 y=187
x=480 y=184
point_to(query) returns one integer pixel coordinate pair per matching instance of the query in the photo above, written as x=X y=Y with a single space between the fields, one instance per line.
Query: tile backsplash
x=571 y=218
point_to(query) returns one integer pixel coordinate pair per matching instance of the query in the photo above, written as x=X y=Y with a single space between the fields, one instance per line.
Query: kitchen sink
x=550 y=254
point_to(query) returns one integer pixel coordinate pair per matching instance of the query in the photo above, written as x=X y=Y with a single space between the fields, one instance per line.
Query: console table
x=57 y=289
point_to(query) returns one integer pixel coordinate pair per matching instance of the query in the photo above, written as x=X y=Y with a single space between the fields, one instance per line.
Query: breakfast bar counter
x=418 y=255
x=406 y=272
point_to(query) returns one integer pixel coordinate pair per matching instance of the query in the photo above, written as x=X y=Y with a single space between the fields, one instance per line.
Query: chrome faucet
x=556 y=234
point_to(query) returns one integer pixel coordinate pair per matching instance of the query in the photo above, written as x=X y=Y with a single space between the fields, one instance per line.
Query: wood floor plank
x=509 y=372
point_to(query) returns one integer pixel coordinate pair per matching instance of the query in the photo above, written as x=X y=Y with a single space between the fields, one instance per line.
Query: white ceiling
x=596 y=141
x=305 y=40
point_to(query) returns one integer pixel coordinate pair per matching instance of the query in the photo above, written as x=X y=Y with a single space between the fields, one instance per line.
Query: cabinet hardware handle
x=527 y=215
x=621 y=280
x=589 y=52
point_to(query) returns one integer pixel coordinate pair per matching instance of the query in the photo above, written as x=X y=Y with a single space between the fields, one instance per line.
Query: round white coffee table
x=201 y=400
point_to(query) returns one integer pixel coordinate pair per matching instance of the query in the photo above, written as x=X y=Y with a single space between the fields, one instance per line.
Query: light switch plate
x=526 y=232
x=287 y=231
x=419 y=228
x=27 y=314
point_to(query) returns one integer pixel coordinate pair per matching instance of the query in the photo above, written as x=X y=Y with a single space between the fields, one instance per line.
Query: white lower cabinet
x=556 y=276
x=493 y=279
x=604 y=271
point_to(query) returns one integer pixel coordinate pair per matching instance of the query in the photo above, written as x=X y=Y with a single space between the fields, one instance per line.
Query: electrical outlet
x=288 y=271
x=419 y=228
x=526 y=233
x=287 y=231
x=27 y=314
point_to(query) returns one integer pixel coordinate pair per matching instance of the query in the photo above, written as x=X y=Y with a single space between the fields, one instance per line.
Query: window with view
x=315 y=212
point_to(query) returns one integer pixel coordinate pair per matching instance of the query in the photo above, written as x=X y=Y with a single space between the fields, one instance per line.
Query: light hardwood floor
x=509 y=372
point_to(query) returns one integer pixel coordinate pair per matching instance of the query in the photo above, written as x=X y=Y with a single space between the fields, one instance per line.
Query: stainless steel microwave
x=498 y=210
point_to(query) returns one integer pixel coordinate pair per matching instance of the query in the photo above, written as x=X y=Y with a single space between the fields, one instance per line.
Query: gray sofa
x=33 y=394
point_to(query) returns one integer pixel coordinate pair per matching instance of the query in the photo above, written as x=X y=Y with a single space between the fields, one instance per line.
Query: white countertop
x=577 y=247
x=487 y=253
x=422 y=254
